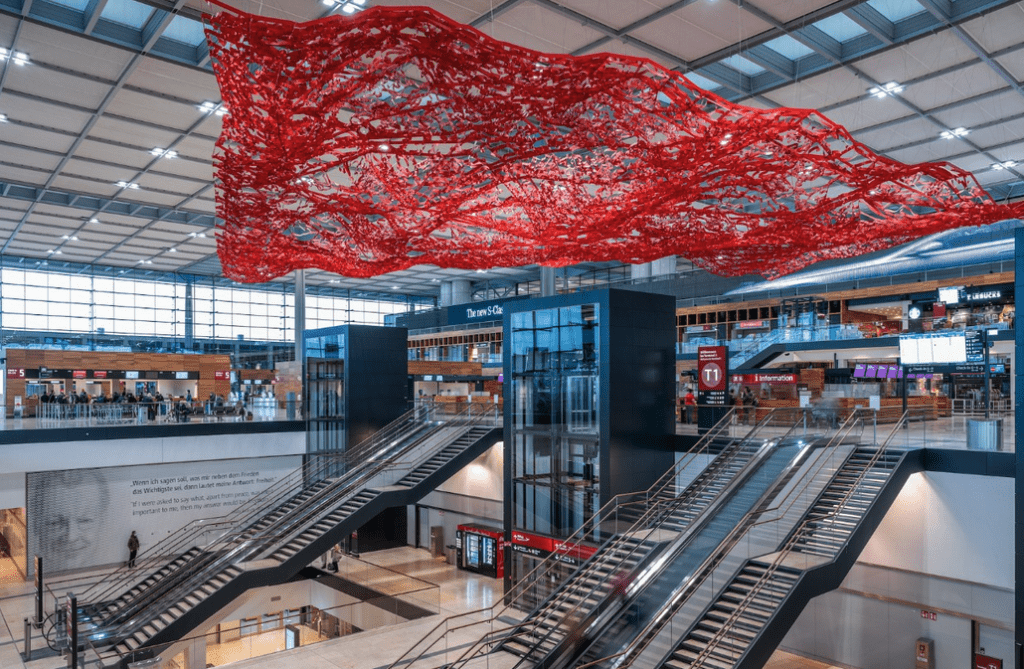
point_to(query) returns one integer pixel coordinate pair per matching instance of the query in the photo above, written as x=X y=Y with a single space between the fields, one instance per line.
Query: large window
x=105 y=301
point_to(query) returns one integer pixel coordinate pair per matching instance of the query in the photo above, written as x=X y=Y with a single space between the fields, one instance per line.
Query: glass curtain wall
x=104 y=301
x=555 y=414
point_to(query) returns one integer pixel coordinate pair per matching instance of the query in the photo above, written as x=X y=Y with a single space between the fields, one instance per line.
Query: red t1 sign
x=712 y=374
x=986 y=662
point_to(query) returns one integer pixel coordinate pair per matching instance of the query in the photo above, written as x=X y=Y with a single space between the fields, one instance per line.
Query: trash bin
x=985 y=434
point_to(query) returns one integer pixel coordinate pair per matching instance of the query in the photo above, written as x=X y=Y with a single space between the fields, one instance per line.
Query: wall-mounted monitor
x=933 y=349
x=950 y=295
x=858 y=371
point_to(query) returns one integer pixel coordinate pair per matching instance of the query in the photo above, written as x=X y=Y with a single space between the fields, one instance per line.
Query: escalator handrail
x=248 y=547
x=650 y=521
x=168 y=548
x=739 y=476
x=706 y=568
x=549 y=563
x=794 y=538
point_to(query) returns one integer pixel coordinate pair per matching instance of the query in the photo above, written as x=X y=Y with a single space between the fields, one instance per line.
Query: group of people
x=746 y=403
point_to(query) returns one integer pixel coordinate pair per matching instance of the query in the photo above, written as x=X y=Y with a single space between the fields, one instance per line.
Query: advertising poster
x=78 y=518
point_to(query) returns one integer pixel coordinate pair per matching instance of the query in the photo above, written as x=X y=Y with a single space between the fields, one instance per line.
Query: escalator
x=744 y=625
x=192 y=574
x=650 y=540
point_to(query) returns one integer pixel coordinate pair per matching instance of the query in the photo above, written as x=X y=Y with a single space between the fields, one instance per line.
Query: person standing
x=133 y=549
x=690 y=406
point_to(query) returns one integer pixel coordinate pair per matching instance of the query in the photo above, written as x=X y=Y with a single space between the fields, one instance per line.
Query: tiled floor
x=460 y=593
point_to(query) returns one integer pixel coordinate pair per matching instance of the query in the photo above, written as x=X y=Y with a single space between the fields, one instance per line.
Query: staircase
x=280 y=533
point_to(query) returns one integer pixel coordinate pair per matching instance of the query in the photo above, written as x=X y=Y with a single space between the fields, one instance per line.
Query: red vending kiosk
x=480 y=549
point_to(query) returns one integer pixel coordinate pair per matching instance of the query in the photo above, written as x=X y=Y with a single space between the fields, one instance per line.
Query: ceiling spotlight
x=208 y=107
x=17 y=57
x=330 y=3
x=954 y=133
x=383 y=147
x=94 y=220
x=3 y=118
x=127 y=184
x=481 y=271
x=885 y=90
x=394 y=287
x=143 y=261
x=164 y=153
x=172 y=250
x=197 y=234
x=70 y=238
x=349 y=8
x=1005 y=165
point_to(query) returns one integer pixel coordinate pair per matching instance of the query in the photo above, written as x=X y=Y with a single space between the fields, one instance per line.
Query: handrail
x=546 y=565
x=549 y=563
x=791 y=542
x=704 y=571
x=250 y=545
x=677 y=545
x=169 y=548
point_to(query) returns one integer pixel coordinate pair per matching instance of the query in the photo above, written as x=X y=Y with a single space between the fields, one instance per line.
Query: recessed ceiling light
x=885 y=90
x=164 y=153
x=172 y=250
x=3 y=118
x=143 y=261
x=94 y=220
x=481 y=271
x=349 y=8
x=127 y=184
x=197 y=234
x=954 y=133
x=70 y=238
x=1005 y=165
x=394 y=287
x=17 y=57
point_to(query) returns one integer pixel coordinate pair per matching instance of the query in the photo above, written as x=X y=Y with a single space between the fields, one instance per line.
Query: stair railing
x=649 y=510
x=627 y=656
x=173 y=545
x=246 y=545
x=781 y=556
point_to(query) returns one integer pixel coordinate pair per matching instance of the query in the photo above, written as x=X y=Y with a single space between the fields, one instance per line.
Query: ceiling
x=91 y=89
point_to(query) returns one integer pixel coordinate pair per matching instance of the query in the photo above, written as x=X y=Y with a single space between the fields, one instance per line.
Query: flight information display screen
x=936 y=349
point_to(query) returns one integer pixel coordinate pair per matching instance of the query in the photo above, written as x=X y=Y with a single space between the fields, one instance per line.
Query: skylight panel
x=79 y=5
x=789 y=47
x=840 y=28
x=743 y=65
x=702 y=82
x=185 y=31
x=127 y=13
x=896 y=10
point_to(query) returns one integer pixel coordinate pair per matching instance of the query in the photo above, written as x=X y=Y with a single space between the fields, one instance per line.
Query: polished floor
x=460 y=593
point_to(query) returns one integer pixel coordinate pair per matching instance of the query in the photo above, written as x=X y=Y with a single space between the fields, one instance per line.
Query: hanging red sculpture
x=394 y=137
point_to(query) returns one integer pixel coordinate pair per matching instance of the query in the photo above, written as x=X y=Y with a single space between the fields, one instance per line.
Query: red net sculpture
x=395 y=137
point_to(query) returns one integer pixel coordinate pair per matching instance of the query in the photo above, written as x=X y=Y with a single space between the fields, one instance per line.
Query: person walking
x=133 y=549
x=690 y=406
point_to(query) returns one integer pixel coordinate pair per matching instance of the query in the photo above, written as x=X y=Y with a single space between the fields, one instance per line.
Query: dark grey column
x=1018 y=374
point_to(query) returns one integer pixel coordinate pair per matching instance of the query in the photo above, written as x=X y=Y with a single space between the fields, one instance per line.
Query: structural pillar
x=195 y=650
x=300 y=311
x=547 y=281
x=190 y=314
x=1018 y=381
x=456 y=291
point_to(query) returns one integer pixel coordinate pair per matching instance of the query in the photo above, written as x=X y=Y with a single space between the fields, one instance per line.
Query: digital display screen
x=934 y=349
x=858 y=371
x=950 y=295
x=894 y=371
x=871 y=371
